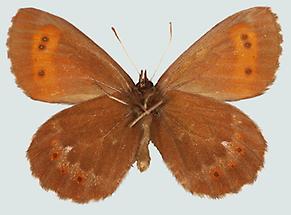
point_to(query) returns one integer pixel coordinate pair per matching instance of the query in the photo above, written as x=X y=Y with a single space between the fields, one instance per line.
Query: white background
x=143 y=26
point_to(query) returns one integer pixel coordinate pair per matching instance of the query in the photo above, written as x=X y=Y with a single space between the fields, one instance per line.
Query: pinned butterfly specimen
x=83 y=152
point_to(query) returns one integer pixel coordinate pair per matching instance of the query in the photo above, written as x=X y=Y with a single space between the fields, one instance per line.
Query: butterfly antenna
x=165 y=51
x=124 y=49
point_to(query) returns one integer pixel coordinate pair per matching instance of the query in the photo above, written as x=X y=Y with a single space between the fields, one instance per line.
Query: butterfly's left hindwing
x=212 y=148
x=84 y=152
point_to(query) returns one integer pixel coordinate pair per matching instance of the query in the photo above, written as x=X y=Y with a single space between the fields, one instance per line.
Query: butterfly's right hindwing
x=212 y=148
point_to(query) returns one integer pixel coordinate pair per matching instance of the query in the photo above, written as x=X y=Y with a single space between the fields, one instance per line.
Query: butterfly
x=83 y=152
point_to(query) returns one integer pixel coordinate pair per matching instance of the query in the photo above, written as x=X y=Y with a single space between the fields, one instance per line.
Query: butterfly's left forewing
x=212 y=148
x=53 y=61
x=83 y=152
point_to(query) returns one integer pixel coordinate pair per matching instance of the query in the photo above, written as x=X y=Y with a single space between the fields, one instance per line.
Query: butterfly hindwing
x=83 y=152
x=55 y=62
x=212 y=148
x=236 y=59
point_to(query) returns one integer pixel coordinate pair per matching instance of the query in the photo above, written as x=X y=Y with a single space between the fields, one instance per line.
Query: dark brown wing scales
x=212 y=148
x=83 y=152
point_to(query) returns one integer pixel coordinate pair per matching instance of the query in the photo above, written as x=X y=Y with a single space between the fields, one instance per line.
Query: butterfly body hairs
x=83 y=152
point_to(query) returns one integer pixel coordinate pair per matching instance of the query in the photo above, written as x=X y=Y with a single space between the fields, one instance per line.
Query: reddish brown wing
x=212 y=148
x=53 y=61
x=83 y=152
x=236 y=59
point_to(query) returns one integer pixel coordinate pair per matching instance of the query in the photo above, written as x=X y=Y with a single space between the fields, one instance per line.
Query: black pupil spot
x=216 y=174
x=41 y=73
x=239 y=149
x=248 y=45
x=44 y=39
x=248 y=71
x=244 y=36
x=55 y=155
x=79 y=179
x=41 y=47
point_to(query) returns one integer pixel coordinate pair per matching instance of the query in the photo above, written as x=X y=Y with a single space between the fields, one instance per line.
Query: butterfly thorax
x=146 y=98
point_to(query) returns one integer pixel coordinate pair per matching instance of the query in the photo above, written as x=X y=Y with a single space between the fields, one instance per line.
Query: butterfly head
x=144 y=83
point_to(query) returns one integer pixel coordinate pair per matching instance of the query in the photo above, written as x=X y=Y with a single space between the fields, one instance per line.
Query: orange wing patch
x=55 y=62
x=45 y=42
x=236 y=59
x=246 y=52
x=246 y=48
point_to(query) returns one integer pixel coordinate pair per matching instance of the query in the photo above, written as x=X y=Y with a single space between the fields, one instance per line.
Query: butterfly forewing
x=83 y=152
x=55 y=62
x=211 y=147
x=236 y=59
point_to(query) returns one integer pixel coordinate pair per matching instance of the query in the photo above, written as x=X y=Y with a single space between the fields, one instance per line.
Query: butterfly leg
x=117 y=99
x=99 y=83
x=145 y=113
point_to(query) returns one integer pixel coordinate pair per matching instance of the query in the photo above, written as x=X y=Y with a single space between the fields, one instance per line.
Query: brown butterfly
x=83 y=152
